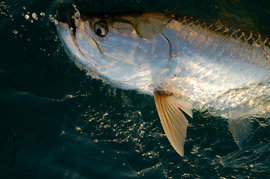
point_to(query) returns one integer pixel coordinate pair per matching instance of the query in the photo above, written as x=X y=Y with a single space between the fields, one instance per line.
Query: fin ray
x=173 y=108
x=184 y=106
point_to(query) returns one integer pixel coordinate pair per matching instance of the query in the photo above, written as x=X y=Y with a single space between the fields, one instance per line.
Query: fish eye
x=101 y=28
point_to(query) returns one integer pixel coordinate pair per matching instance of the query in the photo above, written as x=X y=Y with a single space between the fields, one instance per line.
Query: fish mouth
x=74 y=34
x=72 y=28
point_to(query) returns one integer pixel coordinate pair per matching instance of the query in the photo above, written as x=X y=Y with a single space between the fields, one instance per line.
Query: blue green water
x=57 y=122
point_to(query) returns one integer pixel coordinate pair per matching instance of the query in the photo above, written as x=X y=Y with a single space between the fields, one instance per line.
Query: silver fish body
x=222 y=76
x=225 y=74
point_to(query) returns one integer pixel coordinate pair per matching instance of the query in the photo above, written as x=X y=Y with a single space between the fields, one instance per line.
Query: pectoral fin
x=172 y=119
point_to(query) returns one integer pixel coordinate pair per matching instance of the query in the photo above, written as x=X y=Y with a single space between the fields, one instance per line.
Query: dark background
x=57 y=122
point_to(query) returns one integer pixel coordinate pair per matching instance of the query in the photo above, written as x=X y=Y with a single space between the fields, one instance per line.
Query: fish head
x=126 y=51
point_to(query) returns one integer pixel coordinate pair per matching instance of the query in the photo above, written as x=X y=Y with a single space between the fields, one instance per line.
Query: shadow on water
x=57 y=122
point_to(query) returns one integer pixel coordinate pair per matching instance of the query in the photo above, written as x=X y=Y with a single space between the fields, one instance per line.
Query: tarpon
x=184 y=63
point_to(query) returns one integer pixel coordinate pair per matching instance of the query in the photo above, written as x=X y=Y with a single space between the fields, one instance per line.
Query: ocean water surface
x=58 y=122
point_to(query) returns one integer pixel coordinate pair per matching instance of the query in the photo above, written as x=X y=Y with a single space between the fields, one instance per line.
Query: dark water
x=57 y=122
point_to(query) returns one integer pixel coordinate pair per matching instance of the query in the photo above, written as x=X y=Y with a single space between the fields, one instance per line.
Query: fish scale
x=232 y=53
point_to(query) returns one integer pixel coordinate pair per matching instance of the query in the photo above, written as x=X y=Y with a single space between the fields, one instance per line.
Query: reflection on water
x=68 y=125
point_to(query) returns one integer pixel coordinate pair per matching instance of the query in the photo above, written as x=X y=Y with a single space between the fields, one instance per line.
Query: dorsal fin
x=172 y=119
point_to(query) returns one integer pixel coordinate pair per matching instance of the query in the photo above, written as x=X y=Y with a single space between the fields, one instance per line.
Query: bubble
x=15 y=32
x=52 y=19
x=77 y=13
x=55 y=38
x=78 y=128
x=34 y=16
x=26 y=17
x=42 y=14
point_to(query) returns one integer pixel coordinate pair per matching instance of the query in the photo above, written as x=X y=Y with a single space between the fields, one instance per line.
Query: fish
x=186 y=65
